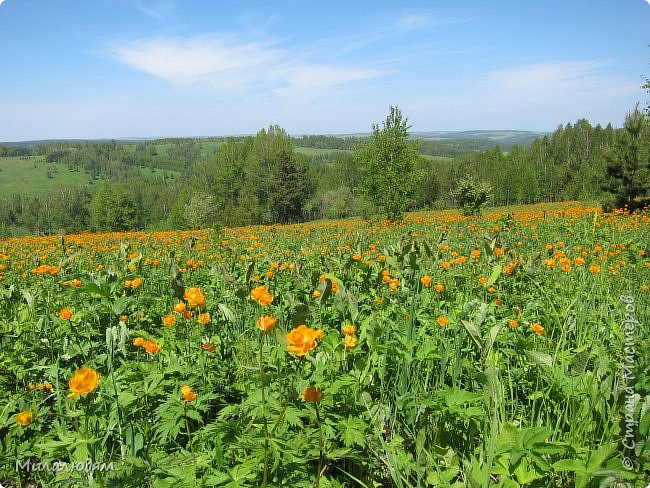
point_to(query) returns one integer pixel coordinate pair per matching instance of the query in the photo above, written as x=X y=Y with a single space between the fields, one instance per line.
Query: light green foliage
x=471 y=196
x=200 y=211
x=387 y=163
x=113 y=209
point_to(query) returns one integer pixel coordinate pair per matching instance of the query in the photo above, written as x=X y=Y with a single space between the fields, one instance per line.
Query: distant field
x=313 y=151
x=436 y=158
x=29 y=175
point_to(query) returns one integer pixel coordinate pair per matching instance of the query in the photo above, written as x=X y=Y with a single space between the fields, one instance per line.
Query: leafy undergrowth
x=508 y=350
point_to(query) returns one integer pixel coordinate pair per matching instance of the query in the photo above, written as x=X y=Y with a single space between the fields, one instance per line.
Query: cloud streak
x=228 y=64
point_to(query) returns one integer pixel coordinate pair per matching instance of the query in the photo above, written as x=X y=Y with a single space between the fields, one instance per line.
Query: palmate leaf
x=352 y=431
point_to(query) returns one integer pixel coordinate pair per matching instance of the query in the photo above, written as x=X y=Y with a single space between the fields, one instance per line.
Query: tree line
x=262 y=179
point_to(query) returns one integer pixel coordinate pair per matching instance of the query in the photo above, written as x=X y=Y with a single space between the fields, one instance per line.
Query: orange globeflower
x=349 y=329
x=439 y=288
x=76 y=283
x=65 y=314
x=208 y=346
x=312 y=394
x=138 y=341
x=83 y=381
x=54 y=270
x=426 y=281
x=537 y=328
x=594 y=269
x=442 y=321
x=261 y=295
x=315 y=294
x=194 y=298
x=266 y=322
x=302 y=339
x=187 y=314
x=203 y=318
x=356 y=257
x=445 y=265
x=24 y=418
x=152 y=347
x=187 y=395
x=483 y=280
x=350 y=341
x=169 y=320
x=124 y=318
x=179 y=307
x=513 y=323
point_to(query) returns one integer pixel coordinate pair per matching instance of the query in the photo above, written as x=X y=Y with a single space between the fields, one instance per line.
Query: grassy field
x=28 y=175
x=508 y=350
x=312 y=151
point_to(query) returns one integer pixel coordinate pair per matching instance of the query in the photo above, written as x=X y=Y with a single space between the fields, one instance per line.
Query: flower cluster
x=261 y=295
x=151 y=346
x=350 y=340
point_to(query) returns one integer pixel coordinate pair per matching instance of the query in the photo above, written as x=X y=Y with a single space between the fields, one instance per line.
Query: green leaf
x=540 y=358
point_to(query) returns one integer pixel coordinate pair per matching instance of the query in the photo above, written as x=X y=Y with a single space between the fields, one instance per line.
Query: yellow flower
x=349 y=329
x=194 y=298
x=350 y=341
x=169 y=320
x=203 y=318
x=442 y=321
x=315 y=294
x=152 y=347
x=302 y=339
x=312 y=394
x=426 y=281
x=136 y=282
x=124 y=318
x=266 y=322
x=187 y=395
x=65 y=314
x=83 y=381
x=179 y=307
x=24 y=418
x=261 y=295
x=537 y=328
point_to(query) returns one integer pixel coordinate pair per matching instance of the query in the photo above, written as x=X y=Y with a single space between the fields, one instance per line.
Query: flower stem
x=321 y=445
x=265 y=478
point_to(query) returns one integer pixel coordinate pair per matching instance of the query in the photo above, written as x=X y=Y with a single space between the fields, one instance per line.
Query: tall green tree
x=113 y=209
x=290 y=188
x=387 y=163
x=628 y=163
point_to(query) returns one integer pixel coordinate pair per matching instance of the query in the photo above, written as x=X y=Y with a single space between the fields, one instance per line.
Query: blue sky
x=144 y=68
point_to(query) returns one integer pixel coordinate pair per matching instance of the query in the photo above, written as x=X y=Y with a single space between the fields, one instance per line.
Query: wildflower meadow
x=443 y=351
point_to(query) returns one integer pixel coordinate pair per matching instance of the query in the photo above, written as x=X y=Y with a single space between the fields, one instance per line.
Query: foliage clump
x=471 y=195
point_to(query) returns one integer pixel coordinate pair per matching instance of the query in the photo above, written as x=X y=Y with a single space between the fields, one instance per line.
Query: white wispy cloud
x=1 y=2
x=159 y=10
x=227 y=63
x=412 y=22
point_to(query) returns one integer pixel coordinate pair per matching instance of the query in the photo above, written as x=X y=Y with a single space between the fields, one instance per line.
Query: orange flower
x=24 y=418
x=76 y=283
x=138 y=341
x=350 y=341
x=312 y=394
x=65 y=314
x=475 y=254
x=426 y=281
x=482 y=280
x=335 y=286
x=83 y=381
x=152 y=347
x=498 y=251
x=179 y=307
x=54 y=270
x=315 y=294
x=124 y=318
x=261 y=295
x=537 y=328
x=445 y=265
x=439 y=288
x=266 y=322
x=356 y=257
x=513 y=323
x=594 y=269
x=169 y=320
x=203 y=318
x=302 y=339
x=208 y=346
x=187 y=314
x=187 y=395
x=349 y=329
x=194 y=298
x=442 y=321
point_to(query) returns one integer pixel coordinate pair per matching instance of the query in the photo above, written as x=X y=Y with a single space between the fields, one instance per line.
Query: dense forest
x=269 y=178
